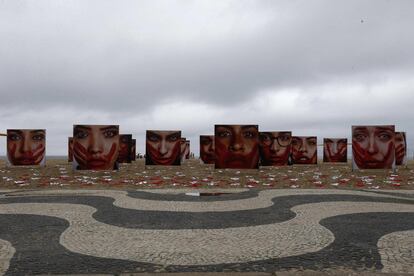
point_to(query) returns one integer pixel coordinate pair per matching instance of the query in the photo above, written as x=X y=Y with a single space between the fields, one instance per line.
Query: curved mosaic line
x=397 y=252
x=350 y=250
x=6 y=253
x=402 y=194
x=200 y=247
x=130 y=218
x=36 y=240
x=264 y=199
x=354 y=247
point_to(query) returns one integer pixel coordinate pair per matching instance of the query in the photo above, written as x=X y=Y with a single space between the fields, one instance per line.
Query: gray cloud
x=190 y=64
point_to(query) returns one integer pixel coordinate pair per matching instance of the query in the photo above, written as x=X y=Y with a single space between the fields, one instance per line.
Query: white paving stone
x=6 y=253
x=397 y=252
x=263 y=200
x=300 y=235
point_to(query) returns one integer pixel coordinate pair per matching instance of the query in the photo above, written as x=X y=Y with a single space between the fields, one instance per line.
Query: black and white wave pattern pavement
x=108 y=231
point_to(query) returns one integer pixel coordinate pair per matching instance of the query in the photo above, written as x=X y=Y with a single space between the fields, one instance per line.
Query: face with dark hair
x=163 y=147
x=207 y=154
x=95 y=147
x=236 y=146
x=125 y=141
x=275 y=148
x=400 y=148
x=335 y=150
x=304 y=150
x=373 y=147
x=26 y=146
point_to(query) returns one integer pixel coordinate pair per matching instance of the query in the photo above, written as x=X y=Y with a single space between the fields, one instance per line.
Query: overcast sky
x=313 y=67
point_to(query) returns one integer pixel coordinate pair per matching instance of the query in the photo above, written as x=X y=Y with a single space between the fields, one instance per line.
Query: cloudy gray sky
x=313 y=67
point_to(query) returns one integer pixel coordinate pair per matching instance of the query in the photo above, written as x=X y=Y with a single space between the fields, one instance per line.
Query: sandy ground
x=59 y=174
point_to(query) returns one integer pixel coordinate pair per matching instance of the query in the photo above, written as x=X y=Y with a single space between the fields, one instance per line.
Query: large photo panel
x=187 y=149
x=134 y=150
x=125 y=148
x=305 y=150
x=70 y=149
x=275 y=147
x=236 y=146
x=95 y=147
x=182 y=148
x=373 y=147
x=400 y=148
x=335 y=150
x=163 y=147
x=26 y=147
x=207 y=154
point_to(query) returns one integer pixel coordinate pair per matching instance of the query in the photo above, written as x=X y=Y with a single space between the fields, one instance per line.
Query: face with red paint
x=95 y=147
x=400 y=148
x=335 y=150
x=275 y=148
x=207 y=154
x=163 y=147
x=187 y=149
x=70 y=149
x=304 y=150
x=236 y=146
x=373 y=147
x=182 y=148
x=125 y=141
x=26 y=146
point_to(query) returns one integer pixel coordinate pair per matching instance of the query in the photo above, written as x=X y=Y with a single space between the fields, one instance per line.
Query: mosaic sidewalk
x=246 y=230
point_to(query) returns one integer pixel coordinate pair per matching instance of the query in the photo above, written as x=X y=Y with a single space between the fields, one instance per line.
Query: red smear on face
x=271 y=158
x=160 y=159
x=93 y=161
x=228 y=159
x=302 y=158
x=366 y=160
x=339 y=156
x=31 y=157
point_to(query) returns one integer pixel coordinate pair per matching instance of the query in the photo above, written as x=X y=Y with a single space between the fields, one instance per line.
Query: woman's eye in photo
x=81 y=134
x=249 y=134
x=15 y=137
x=174 y=138
x=153 y=138
x=38 y=137
x=223 y=134
x=265 y=138
x=110 y=133
x=384 y=137
x=284 y=138
x=360 y=137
